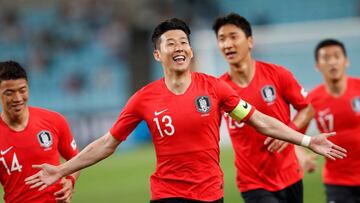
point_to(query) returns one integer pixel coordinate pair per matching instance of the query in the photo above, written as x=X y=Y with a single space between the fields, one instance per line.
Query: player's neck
x=16 y=123
x=243 y=72
x=336 y=87
x=178 y=83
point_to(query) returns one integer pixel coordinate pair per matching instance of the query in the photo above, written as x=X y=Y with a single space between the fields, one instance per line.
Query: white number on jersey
x=15 y=166
x=169 y=128
x=235 y=124
x=327 y=122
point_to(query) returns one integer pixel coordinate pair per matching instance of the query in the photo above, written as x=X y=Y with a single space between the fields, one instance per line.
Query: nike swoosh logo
x=245 y=105
x=160 y=112
x=6 y=151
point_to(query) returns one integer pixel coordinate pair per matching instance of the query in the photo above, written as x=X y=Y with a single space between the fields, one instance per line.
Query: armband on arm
x=241 y=111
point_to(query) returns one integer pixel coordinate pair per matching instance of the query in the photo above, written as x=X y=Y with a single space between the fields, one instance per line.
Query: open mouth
x=179 y=58
x=230 y=54
x=17 y=106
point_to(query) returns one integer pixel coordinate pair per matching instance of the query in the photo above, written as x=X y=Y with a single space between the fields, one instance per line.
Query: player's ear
x=250 y=42
x=317 y=67
x=156 y=54
x=347 y=64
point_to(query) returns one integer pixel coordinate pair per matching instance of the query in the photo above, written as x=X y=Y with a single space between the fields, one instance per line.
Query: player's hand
x=321 y=145
x=275 y=145
x=308 y=162
x=48 y=175
x=65 y=194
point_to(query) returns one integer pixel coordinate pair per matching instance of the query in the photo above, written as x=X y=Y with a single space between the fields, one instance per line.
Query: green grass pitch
x=125 y=178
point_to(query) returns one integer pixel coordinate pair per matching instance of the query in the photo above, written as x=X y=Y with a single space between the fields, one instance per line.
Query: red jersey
x=271 y=91
x=342 y=115
x=46 y=137
x=185 y=133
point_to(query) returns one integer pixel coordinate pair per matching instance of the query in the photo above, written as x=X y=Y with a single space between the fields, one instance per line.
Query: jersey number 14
x=15 y=166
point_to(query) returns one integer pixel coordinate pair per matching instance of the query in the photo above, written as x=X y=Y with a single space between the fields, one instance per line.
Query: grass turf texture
x=125 y=178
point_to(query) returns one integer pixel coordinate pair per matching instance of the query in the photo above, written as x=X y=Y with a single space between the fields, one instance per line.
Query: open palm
x=48 y=175
x=321 y=145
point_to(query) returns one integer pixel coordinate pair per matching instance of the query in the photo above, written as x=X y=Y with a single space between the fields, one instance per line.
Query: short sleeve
x=67 y=145
x=128 y=119
x=229 y=99
x=293 y=92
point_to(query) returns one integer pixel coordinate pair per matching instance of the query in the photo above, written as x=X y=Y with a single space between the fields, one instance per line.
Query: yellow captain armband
x=241 y=110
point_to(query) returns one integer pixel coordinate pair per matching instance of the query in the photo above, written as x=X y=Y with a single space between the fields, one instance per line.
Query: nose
x=332 y=61
x=179 y=47
x=227 y=43
x=17 y=97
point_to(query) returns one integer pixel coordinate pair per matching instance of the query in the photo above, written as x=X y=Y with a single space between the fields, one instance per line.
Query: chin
x=18 y=111
x=233 y=62
x=182 y=68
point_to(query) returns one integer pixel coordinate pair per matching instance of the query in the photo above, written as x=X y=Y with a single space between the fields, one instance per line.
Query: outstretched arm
x=276 y=129
x=301 y=119
x=271 y=127
x=93 y=153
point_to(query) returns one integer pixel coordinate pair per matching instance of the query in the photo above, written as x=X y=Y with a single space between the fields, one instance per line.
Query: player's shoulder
x=225 y=76
x=45 y=113
x=203 y=77
x=152 y=86
x=354 y=80
x=272 y=68
x=318 y=91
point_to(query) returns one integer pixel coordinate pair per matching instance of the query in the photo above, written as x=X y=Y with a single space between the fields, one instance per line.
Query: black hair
x=329 y=42
x=11 y=70
x=170 y=24
x=233 y=19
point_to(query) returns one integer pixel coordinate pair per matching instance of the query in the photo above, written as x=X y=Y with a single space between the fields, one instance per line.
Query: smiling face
x=233 y=43
x=174 y=51
x=14 y=97
x=332 y=62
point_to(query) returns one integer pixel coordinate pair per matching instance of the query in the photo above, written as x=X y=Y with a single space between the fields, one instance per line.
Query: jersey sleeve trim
x=242 y=111
x=118 y=138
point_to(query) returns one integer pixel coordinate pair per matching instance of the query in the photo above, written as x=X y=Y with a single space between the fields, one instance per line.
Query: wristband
x=305 y=142
x=70 y=177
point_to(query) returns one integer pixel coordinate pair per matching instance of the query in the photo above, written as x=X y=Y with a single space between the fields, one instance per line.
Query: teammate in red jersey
x=28 y=136
x=183 y=112
x=337 y=108
x=263 y=176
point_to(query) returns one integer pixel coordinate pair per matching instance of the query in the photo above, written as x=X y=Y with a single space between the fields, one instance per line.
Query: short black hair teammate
x=30 y=135
x=267 y=170
x=337 y=108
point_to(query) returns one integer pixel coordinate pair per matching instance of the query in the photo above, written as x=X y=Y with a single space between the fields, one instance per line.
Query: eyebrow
x=13 y=90
x=181 y=38
x=231 y=33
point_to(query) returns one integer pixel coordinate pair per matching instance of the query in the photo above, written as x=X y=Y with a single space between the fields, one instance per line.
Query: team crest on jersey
x=355 y=103
x=45 y=138
x=203 y=104
x=268 y=93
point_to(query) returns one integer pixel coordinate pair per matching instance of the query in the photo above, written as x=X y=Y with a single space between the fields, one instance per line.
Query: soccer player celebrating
x=337 y=108
x=30 y=135
x=267 y=170
x=183 y=112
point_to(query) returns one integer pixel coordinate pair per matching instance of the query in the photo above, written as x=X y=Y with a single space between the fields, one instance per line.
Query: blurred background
x=85 y=58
